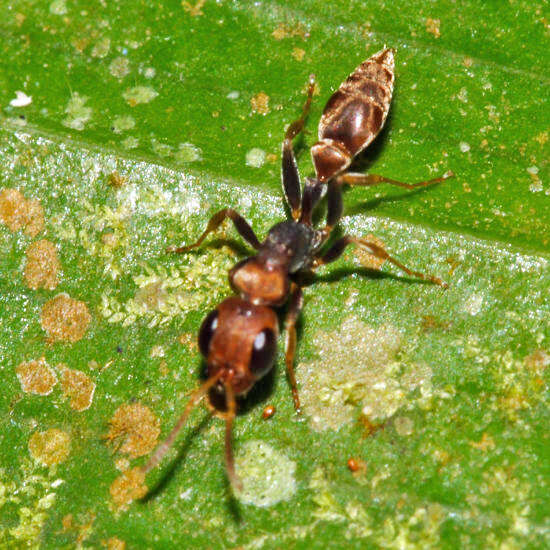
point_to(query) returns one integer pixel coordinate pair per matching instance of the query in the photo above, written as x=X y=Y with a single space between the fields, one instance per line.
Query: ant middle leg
x=336 y=250
x=241 y=225
x=290 y=175
x=296 y=303
x=334 y=194
x=369 y=180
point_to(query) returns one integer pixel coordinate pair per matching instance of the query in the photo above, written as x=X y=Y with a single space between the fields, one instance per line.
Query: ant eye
x=207 y=330
x=263 y=352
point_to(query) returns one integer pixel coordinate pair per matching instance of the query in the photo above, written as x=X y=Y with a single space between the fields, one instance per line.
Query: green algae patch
x=27 y=499
x=78 y=113
x=357 y=372
x=139 y=94
x=267 y=475
x=123 y=123
x=187 y=152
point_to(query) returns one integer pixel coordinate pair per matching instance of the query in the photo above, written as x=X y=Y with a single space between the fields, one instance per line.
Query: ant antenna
x=196 y=396
x=229 y=417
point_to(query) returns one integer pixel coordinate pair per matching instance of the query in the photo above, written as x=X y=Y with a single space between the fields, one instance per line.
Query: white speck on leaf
x=473 y=304
x=58 y=7
x=21 y=99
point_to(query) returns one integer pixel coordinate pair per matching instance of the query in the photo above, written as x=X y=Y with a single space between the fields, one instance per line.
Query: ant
x=238 y=339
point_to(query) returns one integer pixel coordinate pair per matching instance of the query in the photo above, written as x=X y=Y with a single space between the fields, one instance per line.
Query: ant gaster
x=238 y=339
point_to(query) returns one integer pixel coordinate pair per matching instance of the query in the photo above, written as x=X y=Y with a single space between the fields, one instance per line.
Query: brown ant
x=238 y=339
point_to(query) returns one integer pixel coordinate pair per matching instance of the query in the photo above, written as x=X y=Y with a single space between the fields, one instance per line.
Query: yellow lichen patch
x=189 y=340
x=50 y=447
x=357 y=371
x=298 y=54
x=79 y=388
x=67 y=522
x=19 y=213
x=116 y=180
x=538 y=361
x=134 y=430
x=65 y=319
x=485 y=444
x=368 y=260
x=542 y=138
x=193 y=9
x=284 y=30
x=36 y=377
x=432 y=26
x=128 y=487
x=260 y=103
x=42 y=267
x=115 y=543
x=429 y=323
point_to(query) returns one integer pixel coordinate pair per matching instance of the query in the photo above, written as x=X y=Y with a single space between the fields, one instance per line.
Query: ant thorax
x=264 y=278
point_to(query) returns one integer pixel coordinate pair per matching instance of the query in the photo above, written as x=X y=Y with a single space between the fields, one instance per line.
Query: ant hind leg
x=296 y=303
x=336 y=250
x=369 y=180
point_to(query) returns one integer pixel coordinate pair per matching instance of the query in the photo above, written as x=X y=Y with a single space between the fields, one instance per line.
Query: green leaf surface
x=134 y=123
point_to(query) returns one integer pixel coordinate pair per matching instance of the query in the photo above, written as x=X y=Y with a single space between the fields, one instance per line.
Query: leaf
x=143 y=121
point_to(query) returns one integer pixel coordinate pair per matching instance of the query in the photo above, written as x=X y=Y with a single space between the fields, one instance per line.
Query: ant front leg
x=290 y=175
x=334 y=210
x=314 y=191
x=294 y=309
x=369 y=180
x=336 y=250
x=241 y=225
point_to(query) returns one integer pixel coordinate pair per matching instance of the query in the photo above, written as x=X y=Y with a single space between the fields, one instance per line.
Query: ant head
x=329 y=158
x=260 y=282
x=239 y=342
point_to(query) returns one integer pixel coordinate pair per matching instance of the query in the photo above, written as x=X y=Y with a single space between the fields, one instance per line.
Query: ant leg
x=296 y=303
x=163 y=448
x=314 y=191
x=241 y=225
x=290 y=174
x=229 y=461
x=368 y=180
x=334 y=210
x=336 y=250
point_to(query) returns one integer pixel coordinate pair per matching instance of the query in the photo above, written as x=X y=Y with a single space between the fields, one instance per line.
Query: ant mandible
x=238 y=339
